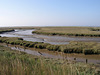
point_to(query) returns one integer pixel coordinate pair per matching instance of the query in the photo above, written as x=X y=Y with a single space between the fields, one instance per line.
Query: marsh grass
x=69 y=31
x=19 y=63
x=2 y=30
x=72 y=47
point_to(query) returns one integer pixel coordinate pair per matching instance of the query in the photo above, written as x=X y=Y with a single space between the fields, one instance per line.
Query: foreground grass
x=72 y=47
x=69 y=31
x=19 y=63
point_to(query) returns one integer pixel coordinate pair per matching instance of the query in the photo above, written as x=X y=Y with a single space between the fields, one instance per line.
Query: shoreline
x=56 y=55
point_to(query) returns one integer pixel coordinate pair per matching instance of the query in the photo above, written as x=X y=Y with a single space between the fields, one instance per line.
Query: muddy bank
x=93 y=59
x=56 y=40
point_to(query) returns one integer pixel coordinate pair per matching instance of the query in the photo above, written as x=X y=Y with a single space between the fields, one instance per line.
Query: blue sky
x=49 y=12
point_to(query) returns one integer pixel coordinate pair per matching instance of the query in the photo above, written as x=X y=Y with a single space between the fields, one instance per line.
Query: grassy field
x=19 y=63
x=69 y=31
x=72 y=47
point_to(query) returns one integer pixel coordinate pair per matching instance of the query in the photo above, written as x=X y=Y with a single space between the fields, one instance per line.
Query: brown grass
x=19 y=63
x=74 y=31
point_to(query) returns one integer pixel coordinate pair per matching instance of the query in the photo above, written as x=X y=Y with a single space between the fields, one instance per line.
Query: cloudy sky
x=49 y=12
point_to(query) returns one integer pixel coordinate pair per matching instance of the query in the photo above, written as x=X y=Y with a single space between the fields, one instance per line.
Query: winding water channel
x=28 y=36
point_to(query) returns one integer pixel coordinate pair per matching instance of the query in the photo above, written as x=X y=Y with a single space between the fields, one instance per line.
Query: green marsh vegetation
x=69 y=31
x=95 y=29
x=14 y=62
x=2 y=30
x=72 y=47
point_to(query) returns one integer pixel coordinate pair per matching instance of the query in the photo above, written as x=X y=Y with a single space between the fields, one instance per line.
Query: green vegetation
x=72 y=47
x=2 y=30
x=69 y=31
x=95 y=29
x=82 y=47
x=19 y=63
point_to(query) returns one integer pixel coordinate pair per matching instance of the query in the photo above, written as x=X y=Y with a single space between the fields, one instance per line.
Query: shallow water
x=28 y=36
